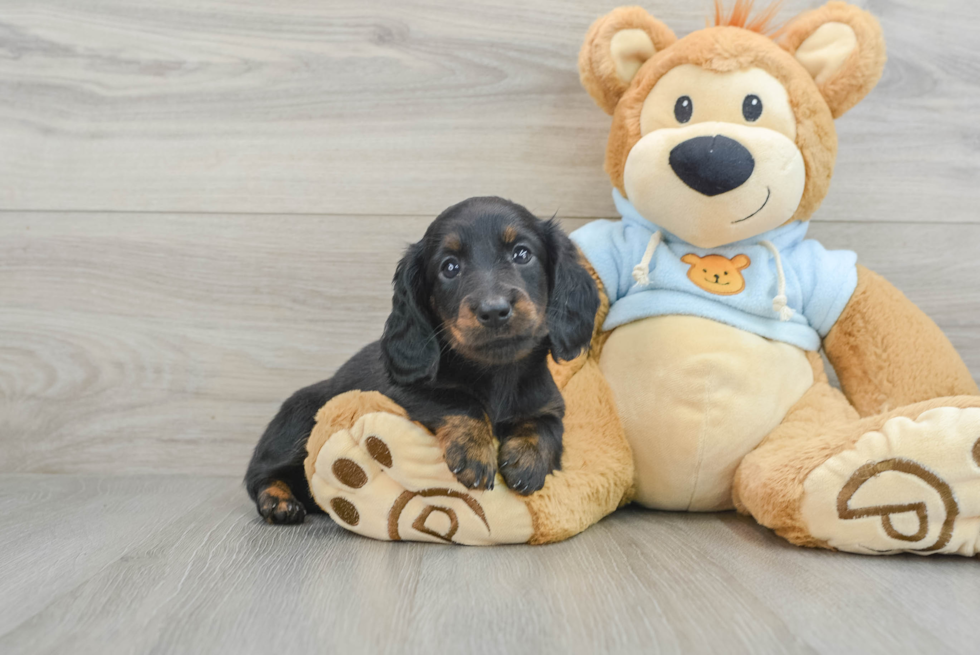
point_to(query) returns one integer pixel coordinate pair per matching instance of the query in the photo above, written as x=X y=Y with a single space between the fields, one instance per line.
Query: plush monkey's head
x=726 y=133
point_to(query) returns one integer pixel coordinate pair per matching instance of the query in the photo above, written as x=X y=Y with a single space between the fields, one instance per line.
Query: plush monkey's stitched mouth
x=720 y=284
x=768 y=194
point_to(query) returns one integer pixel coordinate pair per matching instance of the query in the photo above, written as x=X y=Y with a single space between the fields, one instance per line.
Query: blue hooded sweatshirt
x=737 y=284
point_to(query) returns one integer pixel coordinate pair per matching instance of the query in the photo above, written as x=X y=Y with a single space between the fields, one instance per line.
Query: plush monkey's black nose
x=494 y=312
x=712 y=164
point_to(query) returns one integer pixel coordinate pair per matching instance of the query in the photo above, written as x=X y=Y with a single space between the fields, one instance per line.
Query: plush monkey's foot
x=911 y=486
x=386 y=478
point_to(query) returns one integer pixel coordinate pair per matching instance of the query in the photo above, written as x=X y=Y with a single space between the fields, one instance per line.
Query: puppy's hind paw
x=277 y=505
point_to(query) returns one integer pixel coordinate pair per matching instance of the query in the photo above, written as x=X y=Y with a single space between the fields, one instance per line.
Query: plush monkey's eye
x=683 y=109
x=752 y=108
x=522 y=255
x=449 y=268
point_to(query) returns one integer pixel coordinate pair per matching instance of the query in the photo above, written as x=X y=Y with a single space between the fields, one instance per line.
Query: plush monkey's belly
x=695 y=396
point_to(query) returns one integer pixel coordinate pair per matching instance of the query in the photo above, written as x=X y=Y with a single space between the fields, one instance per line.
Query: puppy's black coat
x=478 y=304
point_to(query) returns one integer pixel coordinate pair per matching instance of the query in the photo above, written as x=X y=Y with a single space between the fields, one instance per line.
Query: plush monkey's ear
x=615 y=47
x=409 y=346
x=842 y=47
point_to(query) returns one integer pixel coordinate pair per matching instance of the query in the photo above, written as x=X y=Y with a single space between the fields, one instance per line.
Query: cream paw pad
x=912 y=485
x=385 y=478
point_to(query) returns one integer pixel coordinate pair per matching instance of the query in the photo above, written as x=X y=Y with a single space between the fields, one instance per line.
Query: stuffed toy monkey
x=704 y=389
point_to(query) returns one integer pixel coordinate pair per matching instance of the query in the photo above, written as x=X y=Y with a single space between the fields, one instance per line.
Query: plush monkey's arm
x=888 y=353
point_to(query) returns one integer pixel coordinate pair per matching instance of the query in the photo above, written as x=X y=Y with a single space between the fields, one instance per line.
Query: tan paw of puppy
x=912 y=486
x=386 y=478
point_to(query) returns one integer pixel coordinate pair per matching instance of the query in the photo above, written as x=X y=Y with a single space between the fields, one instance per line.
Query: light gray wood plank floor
x=181 y=564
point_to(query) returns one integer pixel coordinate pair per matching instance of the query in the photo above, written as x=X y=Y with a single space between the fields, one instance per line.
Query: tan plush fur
x=888 y=353
x=341 y=413
x=597 y=70
x=862 y=69
x=723 y=49
x=769 y=481
x=597 y=465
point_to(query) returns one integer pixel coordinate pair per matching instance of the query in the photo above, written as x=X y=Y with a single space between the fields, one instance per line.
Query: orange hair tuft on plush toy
x=739 y=17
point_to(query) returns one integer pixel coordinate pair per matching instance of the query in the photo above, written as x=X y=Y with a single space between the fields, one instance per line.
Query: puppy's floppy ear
x=842 y=48
x=409 y=346
x=614 y=49
x=574 y=298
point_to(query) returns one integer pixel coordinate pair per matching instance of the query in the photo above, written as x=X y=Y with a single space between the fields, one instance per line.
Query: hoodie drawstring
x=779 y=302
x=641 y=272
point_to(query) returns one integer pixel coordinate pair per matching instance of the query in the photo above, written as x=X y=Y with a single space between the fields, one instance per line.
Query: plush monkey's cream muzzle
x=669 y=178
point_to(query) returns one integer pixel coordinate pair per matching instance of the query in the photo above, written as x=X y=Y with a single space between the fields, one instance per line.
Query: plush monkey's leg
x=903 y=481
x=382 y=476
x=597 y=464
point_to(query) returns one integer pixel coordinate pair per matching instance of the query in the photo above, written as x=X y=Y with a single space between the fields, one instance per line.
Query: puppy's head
x=491 y=282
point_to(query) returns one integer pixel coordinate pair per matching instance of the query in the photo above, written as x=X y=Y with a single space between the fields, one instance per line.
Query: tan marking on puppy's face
x=469 y=337
x=510 y=234
x=452 y=242
x=527 y=314
x=462 y=326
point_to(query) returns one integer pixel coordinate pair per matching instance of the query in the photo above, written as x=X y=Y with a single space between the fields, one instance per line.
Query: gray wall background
x=202 y=202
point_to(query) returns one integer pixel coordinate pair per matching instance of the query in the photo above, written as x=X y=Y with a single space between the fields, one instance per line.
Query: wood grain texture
x=374 y=107
x=56 y=532
x=202 y=203
x=155 y=343
x=217 y=579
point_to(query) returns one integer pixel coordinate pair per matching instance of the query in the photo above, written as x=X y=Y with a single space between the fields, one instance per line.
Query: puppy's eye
x=683 y=109
x=522 y=255
x=752 y=108
x=449 y=268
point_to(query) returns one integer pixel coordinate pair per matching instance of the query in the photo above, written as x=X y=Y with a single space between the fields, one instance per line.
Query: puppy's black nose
x=712 y=164
x=494 y=312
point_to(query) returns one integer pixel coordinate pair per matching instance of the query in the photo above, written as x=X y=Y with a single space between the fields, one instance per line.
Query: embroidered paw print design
x=386 y=478
x=912 y=486
x=717 y=274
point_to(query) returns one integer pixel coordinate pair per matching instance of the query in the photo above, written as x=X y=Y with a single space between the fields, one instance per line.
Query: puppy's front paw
x=524 y=465
x=277 y=505
x=469 y=451
x=474 y=467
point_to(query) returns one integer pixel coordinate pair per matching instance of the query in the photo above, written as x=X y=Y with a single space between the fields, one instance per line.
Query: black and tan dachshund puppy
x=478 y=304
